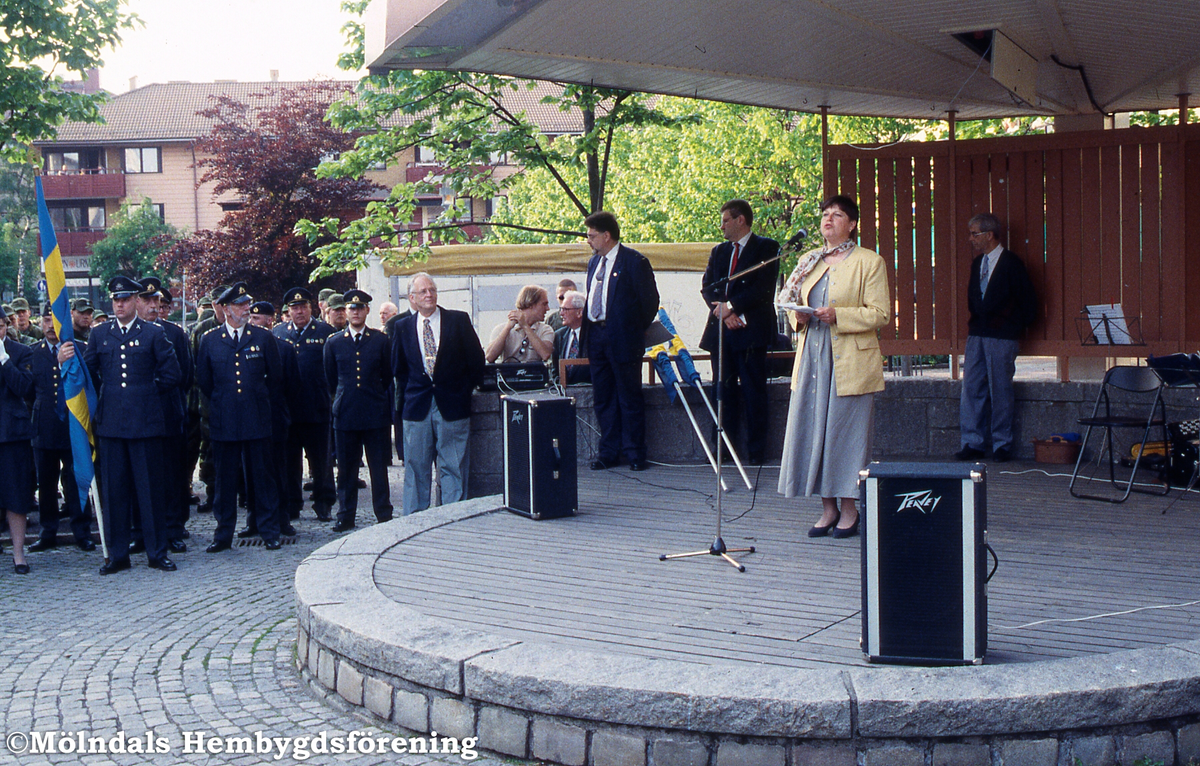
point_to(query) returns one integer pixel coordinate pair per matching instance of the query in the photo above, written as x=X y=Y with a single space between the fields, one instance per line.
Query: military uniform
x=198 y=441
x=309 y=434
x=358 y=371
x=16 y=427
x=132 y=368
x=175 y=402
x=237 y=377
x=52 y=451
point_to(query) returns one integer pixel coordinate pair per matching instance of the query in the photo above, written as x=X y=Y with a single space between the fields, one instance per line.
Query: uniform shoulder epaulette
x=206 y=332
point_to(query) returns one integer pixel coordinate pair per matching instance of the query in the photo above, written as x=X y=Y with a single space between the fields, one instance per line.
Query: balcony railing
x=98 y=183
x=76 y=242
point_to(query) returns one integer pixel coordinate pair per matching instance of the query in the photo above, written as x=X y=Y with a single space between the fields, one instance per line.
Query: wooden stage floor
x=1076 y=577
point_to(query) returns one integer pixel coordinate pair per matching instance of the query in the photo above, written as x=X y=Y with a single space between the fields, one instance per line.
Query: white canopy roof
x=863 y=57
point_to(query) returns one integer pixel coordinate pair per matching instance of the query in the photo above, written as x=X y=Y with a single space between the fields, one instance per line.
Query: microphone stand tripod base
x=716 y=549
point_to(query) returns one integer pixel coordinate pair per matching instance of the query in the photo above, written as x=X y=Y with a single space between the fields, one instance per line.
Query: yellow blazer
x=858 y=289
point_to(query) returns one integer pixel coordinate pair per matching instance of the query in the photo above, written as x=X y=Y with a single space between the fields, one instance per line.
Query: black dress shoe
x=186 y=535
x=246 y=533
x=21 y=568
x=287 y=530
x=322 y=511
x=86 y=546
x=205 y=507
x=362 y=483
x=42 y=544
x=308 y=485
x=218 y=545
x=850 y=531
x=193 y=500
x=176 y=546
x=343 y=526
x=638 y=465
x=116 y=565
x=998 y=456
x=164 y=564
x=137 y=546
x=603 y=465
x=820 y=531
x=968 y=453
x=272 y=545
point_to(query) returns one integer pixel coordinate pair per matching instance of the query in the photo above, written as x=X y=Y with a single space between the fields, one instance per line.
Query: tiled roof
x=168 y=111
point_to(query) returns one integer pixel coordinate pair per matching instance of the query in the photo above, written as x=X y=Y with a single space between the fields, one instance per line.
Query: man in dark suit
x=358 y=369
x=237 y=368
x=52 y=446
x=133 y=365
x=438 y=361
x=309 y=434
x=394 y=315
x=622 y=303
x=568 y=339
x=177 y=487
x=283 y=401
x=745 y=309
x=1002 y=304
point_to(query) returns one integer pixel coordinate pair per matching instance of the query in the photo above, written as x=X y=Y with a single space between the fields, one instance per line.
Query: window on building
x=425 y=155
x=143 y=159
x=62 y=162
x=78 y=218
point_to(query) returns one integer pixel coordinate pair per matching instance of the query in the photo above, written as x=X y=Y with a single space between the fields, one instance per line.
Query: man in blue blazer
x=358 y=369
x=745 y=309
x=438 y=361
x=52 y=446
x=622 y=303
x=237 y=368
x=309 y=432
x=133 y=365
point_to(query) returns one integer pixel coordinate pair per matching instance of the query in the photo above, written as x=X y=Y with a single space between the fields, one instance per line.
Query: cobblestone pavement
x=207 y=651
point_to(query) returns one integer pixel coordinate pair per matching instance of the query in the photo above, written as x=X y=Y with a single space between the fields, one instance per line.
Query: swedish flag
x=78 y=393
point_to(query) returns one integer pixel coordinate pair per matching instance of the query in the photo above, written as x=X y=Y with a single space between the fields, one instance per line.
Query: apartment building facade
x=146 y=150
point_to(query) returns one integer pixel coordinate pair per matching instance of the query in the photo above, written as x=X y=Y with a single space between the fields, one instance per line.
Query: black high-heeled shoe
x=819 y=531
x=850 y=531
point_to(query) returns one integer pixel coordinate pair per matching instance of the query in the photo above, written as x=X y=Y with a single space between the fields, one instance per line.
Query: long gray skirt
x=828 y=437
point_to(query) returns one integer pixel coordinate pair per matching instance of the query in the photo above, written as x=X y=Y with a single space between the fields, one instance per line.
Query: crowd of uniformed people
x=242 y=398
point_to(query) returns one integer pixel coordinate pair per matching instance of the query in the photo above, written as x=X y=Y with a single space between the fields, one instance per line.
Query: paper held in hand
x=795 y=307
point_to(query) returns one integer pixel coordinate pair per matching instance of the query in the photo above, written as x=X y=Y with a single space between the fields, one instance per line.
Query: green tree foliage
x=40 y=40
x=132 y=244
x=672 y=182
x=20 y=257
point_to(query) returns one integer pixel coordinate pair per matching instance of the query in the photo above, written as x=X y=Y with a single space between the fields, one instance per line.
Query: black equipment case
x=924 y=562
x=541 y=480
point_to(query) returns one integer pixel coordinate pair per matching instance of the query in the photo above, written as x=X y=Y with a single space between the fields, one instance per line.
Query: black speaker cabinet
x=924 y=530
x=541 y=480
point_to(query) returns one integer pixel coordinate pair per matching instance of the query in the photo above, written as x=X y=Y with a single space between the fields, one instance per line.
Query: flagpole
x=94 y=493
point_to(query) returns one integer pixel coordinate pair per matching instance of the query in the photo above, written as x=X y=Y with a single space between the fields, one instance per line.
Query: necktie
x=597 y=303
x=124 y=331
x=983 y=275
x=737 y=250
x=357 y=338
x=430 y=348
x=573 y=351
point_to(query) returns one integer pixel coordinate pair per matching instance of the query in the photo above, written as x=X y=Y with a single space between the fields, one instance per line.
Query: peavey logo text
x=517 y=417
x=923 y=501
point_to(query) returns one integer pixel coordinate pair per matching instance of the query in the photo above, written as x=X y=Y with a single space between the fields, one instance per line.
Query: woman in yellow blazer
x=838 y=299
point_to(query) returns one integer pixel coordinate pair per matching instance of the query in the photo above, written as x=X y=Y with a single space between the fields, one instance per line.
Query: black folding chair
x=1179 y=371
x=1138 y=386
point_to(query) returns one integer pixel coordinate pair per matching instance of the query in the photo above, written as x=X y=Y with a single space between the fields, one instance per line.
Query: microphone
x=796 y=239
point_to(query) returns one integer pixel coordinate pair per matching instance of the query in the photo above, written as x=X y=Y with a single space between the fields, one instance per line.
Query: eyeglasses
x=426 y=291
x=977 y=233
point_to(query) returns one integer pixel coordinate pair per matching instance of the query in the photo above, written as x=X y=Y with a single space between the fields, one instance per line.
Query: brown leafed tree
x=264 y=152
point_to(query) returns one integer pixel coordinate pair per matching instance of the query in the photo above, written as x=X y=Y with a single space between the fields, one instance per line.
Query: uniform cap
x=263 y=308
x=150 y=286
x=357 y=298
x=297 y=295
x=335 y=301
x=82 y=305
x=239 y=293
x=324 y=294
x=122 y=286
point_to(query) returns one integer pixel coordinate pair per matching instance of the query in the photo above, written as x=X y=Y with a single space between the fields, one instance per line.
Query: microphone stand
x=718 y=547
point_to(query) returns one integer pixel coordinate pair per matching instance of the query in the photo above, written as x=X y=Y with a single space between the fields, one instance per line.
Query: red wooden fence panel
x=1099 y=217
